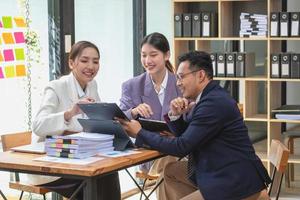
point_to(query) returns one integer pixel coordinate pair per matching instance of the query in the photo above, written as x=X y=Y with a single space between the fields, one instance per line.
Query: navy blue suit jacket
x=226 y=166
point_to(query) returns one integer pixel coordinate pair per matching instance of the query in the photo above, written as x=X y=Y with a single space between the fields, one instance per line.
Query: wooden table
x=23 y=162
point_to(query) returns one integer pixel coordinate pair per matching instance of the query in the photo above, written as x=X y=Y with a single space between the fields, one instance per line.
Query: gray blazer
x=141 y=90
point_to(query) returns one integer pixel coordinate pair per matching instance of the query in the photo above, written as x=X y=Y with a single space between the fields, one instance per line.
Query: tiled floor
x=292 y=193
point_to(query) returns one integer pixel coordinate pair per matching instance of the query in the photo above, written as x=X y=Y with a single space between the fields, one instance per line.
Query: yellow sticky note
x=1 y=57
x=9 y=72
x=20 y=70
x=8 y=38
x=0 y=41
x=19 y=53
x=20 y=22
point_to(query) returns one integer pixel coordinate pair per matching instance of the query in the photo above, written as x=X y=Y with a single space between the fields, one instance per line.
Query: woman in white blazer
x=58 y=115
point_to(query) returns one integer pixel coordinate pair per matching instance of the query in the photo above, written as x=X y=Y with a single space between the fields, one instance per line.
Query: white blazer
x=59 y=96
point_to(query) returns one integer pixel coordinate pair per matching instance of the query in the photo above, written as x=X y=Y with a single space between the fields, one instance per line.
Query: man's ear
x=201 y=75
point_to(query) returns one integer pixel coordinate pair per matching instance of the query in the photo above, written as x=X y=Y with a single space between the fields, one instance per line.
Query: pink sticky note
x=19 y=37
x=1 y=24
x=1 y=73
x=8 y=55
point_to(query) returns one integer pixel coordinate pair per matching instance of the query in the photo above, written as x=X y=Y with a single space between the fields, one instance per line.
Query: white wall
x=13 y=111
x=108 y=23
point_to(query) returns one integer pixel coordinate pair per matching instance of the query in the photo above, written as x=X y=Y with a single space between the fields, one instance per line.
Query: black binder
x=214 y=24
x=221 y=65
x=102 y=111
x=284 y=24
x=230 y=65
x=121 y=140
x=187 y=25
x=275 y=28
x=206 y=24
x=295 y=20
x=196 y=29
x=295 y=65
x=178 y=25
x=275 y=66
x=240 y=64
x=213 y=57
x=285 y=65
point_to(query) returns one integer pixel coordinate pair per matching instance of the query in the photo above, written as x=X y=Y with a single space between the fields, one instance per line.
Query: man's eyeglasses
x=180 y=77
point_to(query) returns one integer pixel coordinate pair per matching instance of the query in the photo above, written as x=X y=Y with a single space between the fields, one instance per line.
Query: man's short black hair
x=198 y=60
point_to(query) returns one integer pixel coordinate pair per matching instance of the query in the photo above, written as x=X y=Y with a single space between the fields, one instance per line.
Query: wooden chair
x=15 y=140
x=279 y=155
x=289 y=137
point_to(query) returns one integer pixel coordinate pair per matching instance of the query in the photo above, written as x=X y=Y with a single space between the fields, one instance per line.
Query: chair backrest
x=15 y=140
x=278 y=156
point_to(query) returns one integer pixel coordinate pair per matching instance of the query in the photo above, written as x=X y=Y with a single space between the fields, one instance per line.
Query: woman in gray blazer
x=59 y=111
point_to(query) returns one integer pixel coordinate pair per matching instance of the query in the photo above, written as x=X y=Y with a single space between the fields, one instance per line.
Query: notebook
x=38 y=148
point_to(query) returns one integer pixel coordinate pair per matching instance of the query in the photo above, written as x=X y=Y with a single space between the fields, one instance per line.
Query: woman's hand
x=143 y=110
x=132 y=127
x=75 y=110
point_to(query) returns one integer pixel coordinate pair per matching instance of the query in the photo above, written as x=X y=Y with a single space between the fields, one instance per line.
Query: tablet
x=38 y=148
x=154 y=125
x=102 y=111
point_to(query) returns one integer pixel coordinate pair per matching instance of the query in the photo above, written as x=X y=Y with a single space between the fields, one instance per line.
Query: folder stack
x=80 y=145
x=253 y=25
x=285 y=24
x=285 y=65
x=287 y=112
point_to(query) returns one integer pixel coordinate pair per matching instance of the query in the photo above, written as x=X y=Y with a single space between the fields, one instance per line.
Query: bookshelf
x=260 y=93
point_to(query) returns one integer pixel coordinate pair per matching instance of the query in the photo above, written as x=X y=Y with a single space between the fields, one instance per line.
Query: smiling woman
x=59 y=112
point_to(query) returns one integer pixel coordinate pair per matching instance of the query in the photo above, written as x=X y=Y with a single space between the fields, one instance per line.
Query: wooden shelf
x=285 y=38
x=191 y=1
x=220 y=38
x=285 y=121
x=284 y=80
x=293 y=158
x=241 y=78
x=263 y=156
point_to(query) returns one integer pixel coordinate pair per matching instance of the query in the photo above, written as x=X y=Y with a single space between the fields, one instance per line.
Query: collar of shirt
x=163 y=84
x=80 y=92
x=198 y=98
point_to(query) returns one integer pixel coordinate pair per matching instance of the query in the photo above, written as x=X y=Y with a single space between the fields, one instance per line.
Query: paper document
x=84 y=161
x=114 y=154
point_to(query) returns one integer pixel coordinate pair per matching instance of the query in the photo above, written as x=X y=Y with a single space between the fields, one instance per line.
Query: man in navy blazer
x=222 y=163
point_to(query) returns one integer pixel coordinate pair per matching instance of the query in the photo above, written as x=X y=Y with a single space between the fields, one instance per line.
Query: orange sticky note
x=10 y=71
x=8 y=38
x=20 y=70
x=20 y=22
x=1 y=57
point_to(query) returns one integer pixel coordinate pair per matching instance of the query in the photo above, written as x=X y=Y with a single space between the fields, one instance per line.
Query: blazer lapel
x=150 y=98
x=72 y=90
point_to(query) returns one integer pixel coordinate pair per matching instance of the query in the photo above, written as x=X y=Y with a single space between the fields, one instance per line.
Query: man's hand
x=132 y=127
x=180 y=106
x=143 y=110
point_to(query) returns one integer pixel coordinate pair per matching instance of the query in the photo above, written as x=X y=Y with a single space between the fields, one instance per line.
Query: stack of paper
x=80 y=145
x=253 y=25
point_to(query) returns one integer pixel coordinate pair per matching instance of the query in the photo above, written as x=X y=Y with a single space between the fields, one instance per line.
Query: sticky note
x=20 y=70
x=1 y=73
x=20 y=22
x=10 y=71
x=8 y=55
x=1 y=24
x=1 y=57
x=0 y=41
x=19 y=37
x=8 y=38
x=20 y=55
x=7 y=22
